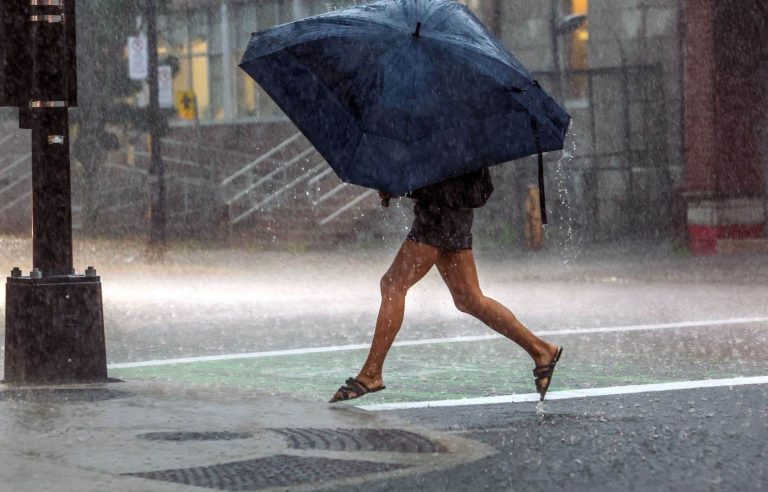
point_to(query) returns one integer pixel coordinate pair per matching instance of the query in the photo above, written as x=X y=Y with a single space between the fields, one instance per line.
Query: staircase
x=286 y=192
x=283 y=191
x=289 y=193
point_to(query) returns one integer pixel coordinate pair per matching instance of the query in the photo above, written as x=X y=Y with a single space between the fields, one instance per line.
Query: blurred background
x=668 y=143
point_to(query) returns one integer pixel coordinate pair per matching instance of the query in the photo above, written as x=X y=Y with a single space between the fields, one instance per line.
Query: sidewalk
x=154 y=436
x=627 y=262
x=598 y=262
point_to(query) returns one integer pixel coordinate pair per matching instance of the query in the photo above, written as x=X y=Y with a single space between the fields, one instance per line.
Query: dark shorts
x=446 y=228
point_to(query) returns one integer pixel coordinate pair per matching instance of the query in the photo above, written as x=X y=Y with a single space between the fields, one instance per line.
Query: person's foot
x=355 y=388
x=545 y=361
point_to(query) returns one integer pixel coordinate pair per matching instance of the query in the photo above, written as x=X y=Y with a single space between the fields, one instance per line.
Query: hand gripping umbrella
x=401 y=94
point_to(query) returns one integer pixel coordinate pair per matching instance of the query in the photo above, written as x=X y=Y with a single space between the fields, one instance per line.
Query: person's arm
x=385 y=198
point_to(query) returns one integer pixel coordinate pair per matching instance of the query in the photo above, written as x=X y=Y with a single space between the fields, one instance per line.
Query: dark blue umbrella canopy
x=400 y=94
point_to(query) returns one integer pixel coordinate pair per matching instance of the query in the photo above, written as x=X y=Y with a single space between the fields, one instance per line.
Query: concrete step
x=739 y=246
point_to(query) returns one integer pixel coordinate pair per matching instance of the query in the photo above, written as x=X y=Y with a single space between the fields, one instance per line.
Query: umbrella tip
x=418 y=30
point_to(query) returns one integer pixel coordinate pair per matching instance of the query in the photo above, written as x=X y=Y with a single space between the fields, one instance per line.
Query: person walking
x=441 y=235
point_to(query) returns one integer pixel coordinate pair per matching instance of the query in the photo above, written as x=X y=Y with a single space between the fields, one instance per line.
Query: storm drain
x=195 y=436
x=62 y=395
x=390 y=440
x=273 y=471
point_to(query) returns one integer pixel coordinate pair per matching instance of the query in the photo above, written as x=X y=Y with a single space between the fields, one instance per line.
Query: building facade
x=725 y=89
x=667 y=99
x=615 y=67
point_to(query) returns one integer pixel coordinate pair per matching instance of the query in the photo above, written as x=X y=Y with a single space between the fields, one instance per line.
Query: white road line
x=431 y=341
x=565 y=395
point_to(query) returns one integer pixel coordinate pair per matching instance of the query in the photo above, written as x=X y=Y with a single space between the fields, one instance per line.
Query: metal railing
x=269 y=198
x=16 y=201
x=264 y=157
x=263 y=179
x=24 y=176
x=362 y=196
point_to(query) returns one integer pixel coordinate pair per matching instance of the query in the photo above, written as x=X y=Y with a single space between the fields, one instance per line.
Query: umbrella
x=401 y=94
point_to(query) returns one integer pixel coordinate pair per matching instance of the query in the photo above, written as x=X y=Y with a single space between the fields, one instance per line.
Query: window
x=185 y=35
x=208 y=64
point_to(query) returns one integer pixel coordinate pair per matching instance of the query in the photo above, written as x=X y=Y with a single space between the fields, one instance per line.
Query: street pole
x=157 y=236
x=54 y=324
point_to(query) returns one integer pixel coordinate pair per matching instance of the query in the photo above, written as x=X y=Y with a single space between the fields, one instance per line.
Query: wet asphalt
x=703 y=439
x=692 y=440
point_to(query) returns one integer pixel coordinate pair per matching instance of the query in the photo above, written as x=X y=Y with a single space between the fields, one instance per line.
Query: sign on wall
x=165 y=86
x=186 y=103
x=138 y=58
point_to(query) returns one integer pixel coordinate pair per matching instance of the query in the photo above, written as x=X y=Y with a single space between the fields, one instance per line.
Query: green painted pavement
x=463 y=370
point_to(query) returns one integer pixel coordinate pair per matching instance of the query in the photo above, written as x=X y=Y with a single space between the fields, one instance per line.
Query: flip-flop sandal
x=354 y=387
x=545 y=372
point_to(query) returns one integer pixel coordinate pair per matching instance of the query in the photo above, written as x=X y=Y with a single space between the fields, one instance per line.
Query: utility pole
x=554 y=18
x=157 y=235
x=54 y=329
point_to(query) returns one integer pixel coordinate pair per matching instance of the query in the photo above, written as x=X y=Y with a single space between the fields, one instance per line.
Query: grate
x=62 y=395
x=273 y=471
x=392 y=440
x=195 y=436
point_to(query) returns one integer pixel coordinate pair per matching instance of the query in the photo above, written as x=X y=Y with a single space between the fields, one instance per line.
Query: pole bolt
x=55 y=139
x=16 y=272
x=36 y=273
x=90 y=272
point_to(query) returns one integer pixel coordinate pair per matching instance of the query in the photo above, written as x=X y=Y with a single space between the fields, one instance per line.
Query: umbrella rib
x=354 y=154
x=465 y=123
x=322 y=83
x=468 y=47
x=297 y=39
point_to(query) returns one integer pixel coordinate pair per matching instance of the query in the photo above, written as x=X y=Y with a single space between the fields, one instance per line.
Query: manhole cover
x=61 y=395
x=195 y=436
x=273 y=471
x=393 y=440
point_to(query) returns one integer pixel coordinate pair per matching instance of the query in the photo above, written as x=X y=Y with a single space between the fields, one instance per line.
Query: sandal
x=545 y=372
x=354 y=387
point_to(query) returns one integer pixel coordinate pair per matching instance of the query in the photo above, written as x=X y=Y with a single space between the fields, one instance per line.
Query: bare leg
x=412 y=262
x=460 y=275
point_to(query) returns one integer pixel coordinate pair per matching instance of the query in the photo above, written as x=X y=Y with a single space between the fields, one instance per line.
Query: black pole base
x=54 y=330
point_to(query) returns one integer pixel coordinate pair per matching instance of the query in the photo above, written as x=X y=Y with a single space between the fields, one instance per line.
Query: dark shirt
x=470 y=190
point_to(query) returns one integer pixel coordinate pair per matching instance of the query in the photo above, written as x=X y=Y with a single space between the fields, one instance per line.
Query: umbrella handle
x=418 y=30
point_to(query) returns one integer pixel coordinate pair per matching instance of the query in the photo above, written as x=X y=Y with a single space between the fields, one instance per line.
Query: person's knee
x=470 y=302
x=391 y=288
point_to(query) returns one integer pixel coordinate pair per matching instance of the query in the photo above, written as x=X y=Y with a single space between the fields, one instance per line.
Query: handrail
x=13 y=203
x=275 y=194
x=267 y=176
x=346 y=207
x=6 y=138
x=14 y=164
x=14 y=183
x=328 y=195
x=260 y=159
x=320 y=176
